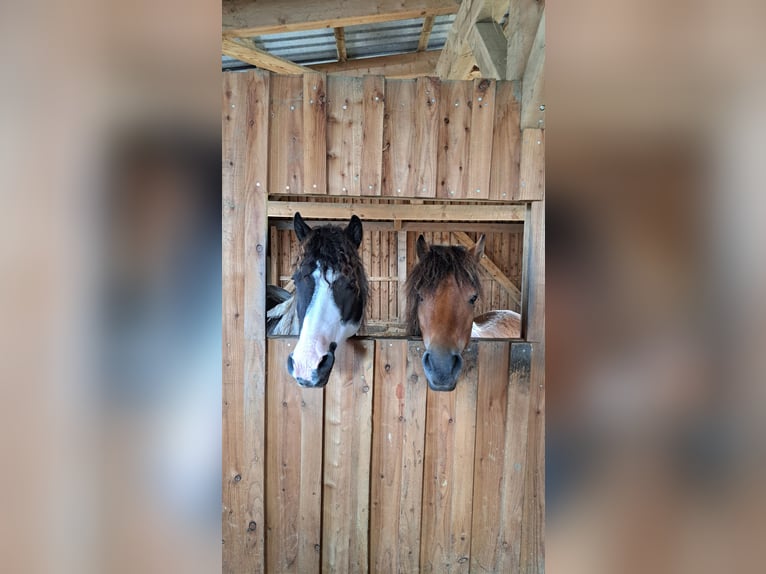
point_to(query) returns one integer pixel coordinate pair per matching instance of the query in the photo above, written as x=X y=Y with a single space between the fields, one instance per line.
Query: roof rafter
x=259 y=58
x=247 y=18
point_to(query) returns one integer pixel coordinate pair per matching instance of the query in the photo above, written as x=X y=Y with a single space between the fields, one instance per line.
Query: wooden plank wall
x=377 y=473
x=414 y=138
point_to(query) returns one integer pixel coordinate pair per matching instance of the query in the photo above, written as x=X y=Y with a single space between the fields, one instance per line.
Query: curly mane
x=440 y=262
x=329 y=246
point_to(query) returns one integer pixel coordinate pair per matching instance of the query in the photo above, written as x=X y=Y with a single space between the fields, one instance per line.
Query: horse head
x=330 y=297
x=442 y=290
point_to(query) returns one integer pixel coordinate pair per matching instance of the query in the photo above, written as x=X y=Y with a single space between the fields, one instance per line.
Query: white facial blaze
x=321 y=326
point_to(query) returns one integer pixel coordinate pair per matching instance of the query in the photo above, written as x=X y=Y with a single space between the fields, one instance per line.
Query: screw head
x=542 y=107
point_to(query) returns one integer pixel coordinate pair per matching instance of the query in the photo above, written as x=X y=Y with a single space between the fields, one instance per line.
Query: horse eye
x=472 y=300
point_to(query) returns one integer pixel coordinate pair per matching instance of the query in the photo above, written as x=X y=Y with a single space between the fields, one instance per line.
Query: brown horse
x=442 y=290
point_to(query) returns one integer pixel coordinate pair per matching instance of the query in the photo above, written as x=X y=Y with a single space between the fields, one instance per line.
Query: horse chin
x=311 y=385
x=442 y=386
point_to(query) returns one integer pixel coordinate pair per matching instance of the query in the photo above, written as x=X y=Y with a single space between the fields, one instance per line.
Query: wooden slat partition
x=398 y=138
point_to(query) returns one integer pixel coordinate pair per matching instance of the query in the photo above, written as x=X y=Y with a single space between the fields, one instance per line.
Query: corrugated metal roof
x=362 y=41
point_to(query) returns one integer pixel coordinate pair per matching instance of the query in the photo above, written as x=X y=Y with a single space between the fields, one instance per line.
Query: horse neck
x=287 y=313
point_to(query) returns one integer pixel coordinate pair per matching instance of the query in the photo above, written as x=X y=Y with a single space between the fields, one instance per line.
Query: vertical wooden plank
x=399 y=414
x=482 y=131
x=398 y=138
x=501 y=450
x=245 y=143
x=532 y=169
x=233 y=213
x=344 y=135
x=424 y=158
x=401 y=265
x=383 y=272
x=347 y=444
x=273 y=278
x=293 y=467
x=314 y=133
x=533 y=274
x=506 y=144
x=393 y=272
x=373 y=88
x=286 y=135
x=367 y=261
x=454 y=139
x=448 y=473
x=532 y=538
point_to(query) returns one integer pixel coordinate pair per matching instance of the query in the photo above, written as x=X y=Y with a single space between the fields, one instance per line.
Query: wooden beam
x=259 y=58
x=532 y=103
x=456 y=61
x=490 y=48
x=523 y=20
x=398 y=211
x=425 y=33
x=340 y=43
x=247 y=18
x=494 y=271
x=397 y=66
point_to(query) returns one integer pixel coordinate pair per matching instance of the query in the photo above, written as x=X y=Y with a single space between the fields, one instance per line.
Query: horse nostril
x=325 y=366
x=290 y=364
x=427 y=360
x=457 y=364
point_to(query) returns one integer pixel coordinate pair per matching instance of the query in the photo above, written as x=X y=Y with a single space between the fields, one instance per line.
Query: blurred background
x=110 y=386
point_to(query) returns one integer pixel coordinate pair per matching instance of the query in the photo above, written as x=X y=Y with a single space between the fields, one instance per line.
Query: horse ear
x=422 y=247
x=354 y=230
x=478 y=250
x=302 y=229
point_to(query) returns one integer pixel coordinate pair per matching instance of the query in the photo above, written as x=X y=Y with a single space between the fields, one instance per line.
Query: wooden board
x=454 y=139
x=424 y=158
x=397 y=457
x=500 y=456
x=314 y=133
x=504 y=172
x=347 y=443
x=398 y=211
x=482 y=131
x=532 y=169
x=293 y=467
x=448 y=473
x=533 y=275
x=373 y=106
x=532 y=554
x=398 y=138
x=244 y=236
x=344 y=135
x=286 y=135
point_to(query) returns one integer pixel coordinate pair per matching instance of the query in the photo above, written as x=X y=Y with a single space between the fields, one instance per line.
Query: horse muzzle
x=319 y=376
x=442 y=369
